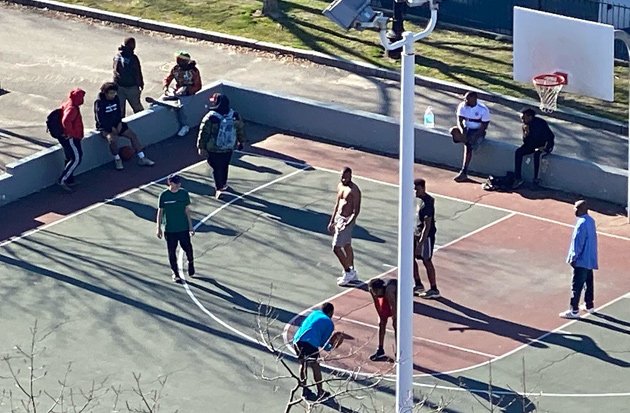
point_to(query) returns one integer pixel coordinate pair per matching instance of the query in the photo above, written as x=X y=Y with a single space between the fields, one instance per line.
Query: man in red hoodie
x=72 y=123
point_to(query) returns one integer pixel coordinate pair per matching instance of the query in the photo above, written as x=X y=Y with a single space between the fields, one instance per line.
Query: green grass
x=446 y=54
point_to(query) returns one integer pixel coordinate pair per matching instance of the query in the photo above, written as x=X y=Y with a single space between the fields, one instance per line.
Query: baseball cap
x=215 y=100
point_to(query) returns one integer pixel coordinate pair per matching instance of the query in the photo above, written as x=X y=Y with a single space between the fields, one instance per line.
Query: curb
x=361 y=68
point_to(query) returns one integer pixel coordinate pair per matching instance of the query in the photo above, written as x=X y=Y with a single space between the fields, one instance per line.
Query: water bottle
x=429 y=118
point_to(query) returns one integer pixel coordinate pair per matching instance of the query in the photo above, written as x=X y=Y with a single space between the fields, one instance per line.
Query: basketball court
x=98 y=281
x=103 y=275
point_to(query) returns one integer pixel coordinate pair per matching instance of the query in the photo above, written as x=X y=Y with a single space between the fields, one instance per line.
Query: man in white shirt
x=473 y=118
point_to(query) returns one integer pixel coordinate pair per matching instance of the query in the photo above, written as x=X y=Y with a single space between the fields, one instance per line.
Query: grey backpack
x=226 y=138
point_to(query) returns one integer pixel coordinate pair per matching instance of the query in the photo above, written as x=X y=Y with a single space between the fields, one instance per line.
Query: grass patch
x=447 y=55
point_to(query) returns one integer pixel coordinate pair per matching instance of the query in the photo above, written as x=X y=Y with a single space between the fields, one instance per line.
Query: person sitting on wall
x=108 y=114
x=538 y=139
x=187 y=82
x=473 y=118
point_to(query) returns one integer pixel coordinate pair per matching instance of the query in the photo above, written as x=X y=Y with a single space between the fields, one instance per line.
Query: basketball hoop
x=548 y=87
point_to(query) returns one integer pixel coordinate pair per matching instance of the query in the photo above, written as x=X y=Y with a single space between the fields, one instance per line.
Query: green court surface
x=102 y=276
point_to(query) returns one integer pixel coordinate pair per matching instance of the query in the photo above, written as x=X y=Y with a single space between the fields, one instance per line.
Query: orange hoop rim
x=550 y=80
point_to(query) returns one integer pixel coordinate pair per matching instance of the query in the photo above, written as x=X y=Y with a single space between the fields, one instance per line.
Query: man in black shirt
x=424 y=240
x=537 y=138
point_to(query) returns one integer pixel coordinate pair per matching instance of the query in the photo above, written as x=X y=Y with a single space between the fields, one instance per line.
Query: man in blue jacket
x=315 y=332
x=109 y=115
x=583 y=258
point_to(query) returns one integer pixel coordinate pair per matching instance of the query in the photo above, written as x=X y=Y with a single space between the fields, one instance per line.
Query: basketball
x=126 y=153
x=336 y=339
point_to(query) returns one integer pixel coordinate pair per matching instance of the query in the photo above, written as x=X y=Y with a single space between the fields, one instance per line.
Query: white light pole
x=357 y=14
x=406 y=212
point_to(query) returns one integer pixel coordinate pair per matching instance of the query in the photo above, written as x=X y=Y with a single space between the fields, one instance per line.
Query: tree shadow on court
x=239 y=162
x=139 y=209
x=126 y=300
x=529 y=191
x=503 y=398
x=239 y=300
x=268 y=153
x=304 y=218
x=608 y=326
x=472 y=319
x=611 y=319
x=149 y=213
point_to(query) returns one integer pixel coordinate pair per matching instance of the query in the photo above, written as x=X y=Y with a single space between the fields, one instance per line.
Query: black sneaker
x=461 y=177
x=418 y=290
x=176 y=278
x=191 y=268
x=431 y=294
x=379 y=355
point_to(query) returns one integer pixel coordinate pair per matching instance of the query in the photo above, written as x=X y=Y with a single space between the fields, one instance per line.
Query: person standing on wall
x=128 y=76
x=222 y=130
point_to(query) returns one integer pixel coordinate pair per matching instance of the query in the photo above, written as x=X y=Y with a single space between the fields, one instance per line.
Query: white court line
x=93 y=206
x=285 y=332
x=376 y=181
x=428 y=340
x=306 y=166
x=200 y=223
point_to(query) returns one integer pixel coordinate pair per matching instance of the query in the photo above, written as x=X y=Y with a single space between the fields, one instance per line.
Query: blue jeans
x=582 y=276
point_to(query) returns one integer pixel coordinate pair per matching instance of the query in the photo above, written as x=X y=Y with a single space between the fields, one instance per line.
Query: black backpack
x=53 y=124
x=499 y=183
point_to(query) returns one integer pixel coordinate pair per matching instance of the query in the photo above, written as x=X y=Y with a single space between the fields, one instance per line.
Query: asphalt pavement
x=44 y=54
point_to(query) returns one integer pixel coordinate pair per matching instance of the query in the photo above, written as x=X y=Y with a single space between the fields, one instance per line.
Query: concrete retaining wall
x=380 y=133
x=326 y=122
x=41 y=169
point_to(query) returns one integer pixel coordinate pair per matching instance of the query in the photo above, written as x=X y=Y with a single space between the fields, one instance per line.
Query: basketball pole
x=406 y=210
x=625 y=38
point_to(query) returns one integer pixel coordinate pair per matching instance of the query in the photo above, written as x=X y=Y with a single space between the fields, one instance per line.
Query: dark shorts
x=426 y=251
x=305 y=351
x=473 y=143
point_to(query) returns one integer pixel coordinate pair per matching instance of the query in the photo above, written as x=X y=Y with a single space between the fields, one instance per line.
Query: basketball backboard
x=549 y=43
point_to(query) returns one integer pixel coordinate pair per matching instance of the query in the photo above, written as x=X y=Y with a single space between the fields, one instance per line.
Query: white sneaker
x=145 y=162
x=570 y=314
x=183 y=131
x=348 y=278
x=588 y=310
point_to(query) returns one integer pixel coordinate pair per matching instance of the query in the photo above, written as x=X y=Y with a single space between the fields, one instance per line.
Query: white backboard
x=549 y=43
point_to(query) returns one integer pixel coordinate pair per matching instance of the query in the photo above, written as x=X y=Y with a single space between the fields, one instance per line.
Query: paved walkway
x=44 y=54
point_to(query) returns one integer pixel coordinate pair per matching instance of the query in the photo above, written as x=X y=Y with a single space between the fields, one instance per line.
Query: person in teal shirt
x=174 y=214
x=315 y=332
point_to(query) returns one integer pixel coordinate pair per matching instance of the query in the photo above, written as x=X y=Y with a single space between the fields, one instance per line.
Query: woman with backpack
x=222 y=130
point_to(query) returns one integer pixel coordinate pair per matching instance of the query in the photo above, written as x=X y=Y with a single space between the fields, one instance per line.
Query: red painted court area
x=502 y=288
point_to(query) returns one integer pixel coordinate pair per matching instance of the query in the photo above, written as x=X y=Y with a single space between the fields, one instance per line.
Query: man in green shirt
x=174 y=213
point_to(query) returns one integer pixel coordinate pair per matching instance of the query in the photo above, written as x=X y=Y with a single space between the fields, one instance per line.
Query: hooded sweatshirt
x=185 y=74
x=209 y=129
x=71 y=119
x=127 y=69
x=107 y=113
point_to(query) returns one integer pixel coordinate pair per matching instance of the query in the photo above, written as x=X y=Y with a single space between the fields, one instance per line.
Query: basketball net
x=548 y=87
